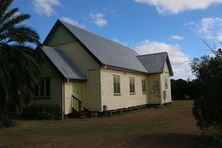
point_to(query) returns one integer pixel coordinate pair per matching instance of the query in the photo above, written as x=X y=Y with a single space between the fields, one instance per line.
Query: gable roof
x=106 y=51
x=112 y=54
x=62 y=63
x=154 y=63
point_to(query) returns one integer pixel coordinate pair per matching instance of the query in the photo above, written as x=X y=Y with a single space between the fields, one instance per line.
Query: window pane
x=41 y=87
x=47 y=87
x=132 y=85
x=144 y=85
x=116 y=84
x=117 y=88
x=36 y=90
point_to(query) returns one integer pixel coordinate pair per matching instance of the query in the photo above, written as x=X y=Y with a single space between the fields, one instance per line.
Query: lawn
x=169 y=127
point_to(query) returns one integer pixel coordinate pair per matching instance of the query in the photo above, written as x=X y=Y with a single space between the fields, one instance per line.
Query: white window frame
x=132 y=86
x=116 y=85
x=145 y=81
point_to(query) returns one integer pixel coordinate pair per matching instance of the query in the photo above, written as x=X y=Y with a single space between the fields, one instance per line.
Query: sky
x=179 y=27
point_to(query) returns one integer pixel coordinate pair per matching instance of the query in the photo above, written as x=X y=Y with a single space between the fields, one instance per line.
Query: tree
x=208 y=108
x=18 y=59
x=179 y=89
x=182 y=89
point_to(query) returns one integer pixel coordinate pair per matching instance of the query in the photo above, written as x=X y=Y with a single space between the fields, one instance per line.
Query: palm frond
x=4 y=5
x=21 y=34
x=10 y=23
x=8 y=14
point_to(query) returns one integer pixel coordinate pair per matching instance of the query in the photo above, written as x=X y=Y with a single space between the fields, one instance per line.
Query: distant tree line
x=185 y=89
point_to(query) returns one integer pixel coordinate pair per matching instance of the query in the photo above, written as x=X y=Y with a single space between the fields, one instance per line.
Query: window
x=42 y=89
x=36 y=90
x=156 y=88
x=166 y=84
x=47 y=87
x=42 y=83
x=116 y=85
x=144 y=89
x=132 y=85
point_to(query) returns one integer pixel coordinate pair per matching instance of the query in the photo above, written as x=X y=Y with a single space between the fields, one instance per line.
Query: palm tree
x=18 y=59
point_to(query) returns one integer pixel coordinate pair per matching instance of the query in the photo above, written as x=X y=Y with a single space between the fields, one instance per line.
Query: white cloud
x=177 y=6
x=180 y=62
x=98 y=19
x=45 y=7
x=176 y=37
x=73 y=22
x=210 y=28
x=120 y=42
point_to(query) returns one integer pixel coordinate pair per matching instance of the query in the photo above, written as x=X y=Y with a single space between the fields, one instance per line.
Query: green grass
x=176 y=106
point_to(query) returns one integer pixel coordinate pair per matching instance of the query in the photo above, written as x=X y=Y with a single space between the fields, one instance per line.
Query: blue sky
x=147 y=26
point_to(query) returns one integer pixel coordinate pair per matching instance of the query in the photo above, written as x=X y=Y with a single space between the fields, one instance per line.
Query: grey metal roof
x=62 y=63
x=154 y=63
x=106 y=51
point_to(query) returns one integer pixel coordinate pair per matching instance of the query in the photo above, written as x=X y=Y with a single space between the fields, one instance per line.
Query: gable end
x=60 y=24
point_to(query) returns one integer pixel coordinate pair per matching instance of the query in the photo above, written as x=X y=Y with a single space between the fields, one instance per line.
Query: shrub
x=207 y=108
x=6 y=121
x=42 y=112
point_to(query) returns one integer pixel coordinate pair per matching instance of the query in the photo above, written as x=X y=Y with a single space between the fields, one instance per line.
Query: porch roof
x=66 y=67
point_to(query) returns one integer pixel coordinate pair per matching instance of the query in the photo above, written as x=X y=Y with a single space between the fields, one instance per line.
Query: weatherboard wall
x=68 y=91
x=92 y=90
x=73 y=50
x=154 y=89
x=124 y=99
x=48 y=71
x=165 y=76
x=58 y=37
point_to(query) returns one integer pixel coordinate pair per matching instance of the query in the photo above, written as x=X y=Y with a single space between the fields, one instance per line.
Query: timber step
x=79 y=114
x=84 y=114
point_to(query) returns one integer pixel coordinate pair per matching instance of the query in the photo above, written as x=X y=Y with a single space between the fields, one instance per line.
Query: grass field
x=169 y=127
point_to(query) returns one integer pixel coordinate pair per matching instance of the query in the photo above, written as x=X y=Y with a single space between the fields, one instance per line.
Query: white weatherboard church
x=84 y=70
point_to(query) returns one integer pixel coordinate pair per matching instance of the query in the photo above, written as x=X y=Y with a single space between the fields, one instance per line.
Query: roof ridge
x=152 y=54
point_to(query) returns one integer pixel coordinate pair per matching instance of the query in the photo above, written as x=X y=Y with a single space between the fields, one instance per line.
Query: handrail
x=76 y=98
x=79 y=102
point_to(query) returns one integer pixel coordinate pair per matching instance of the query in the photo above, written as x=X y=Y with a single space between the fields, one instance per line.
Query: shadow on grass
x=170 y=140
